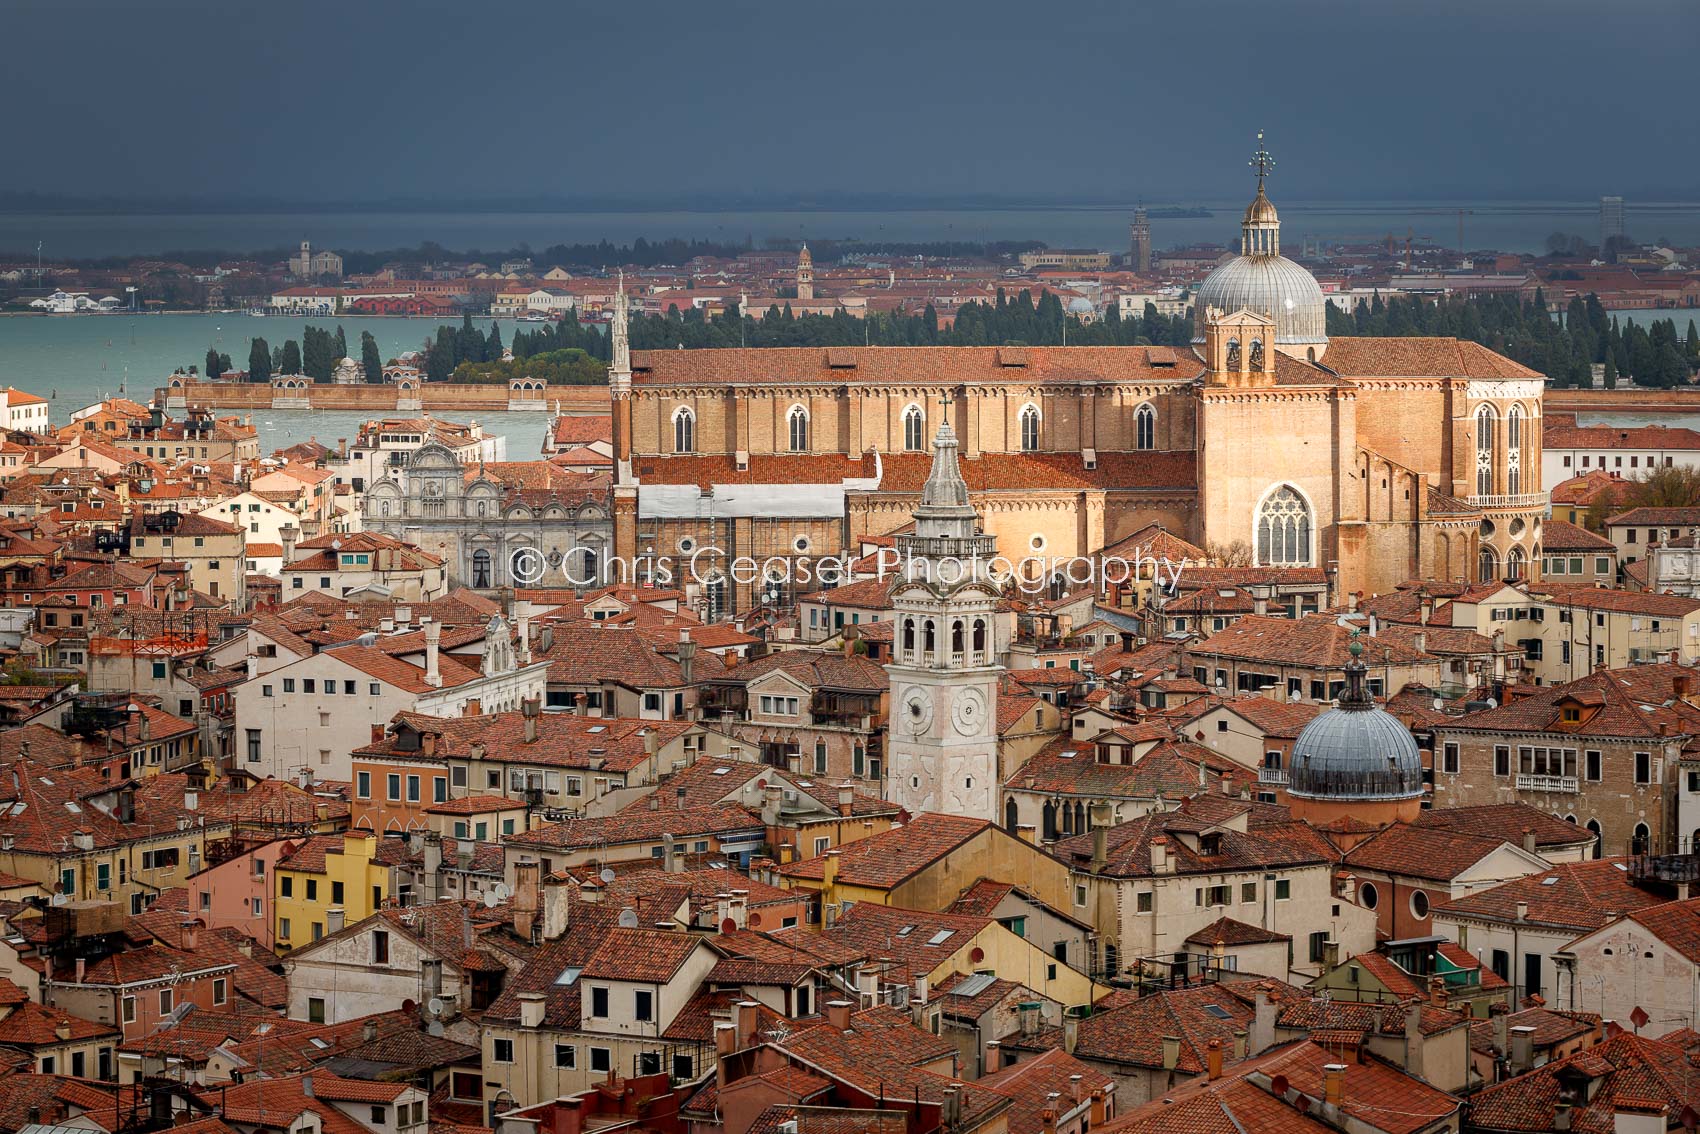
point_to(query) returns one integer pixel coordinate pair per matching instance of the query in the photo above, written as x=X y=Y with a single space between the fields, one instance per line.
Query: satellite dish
x=628 y=919
x=435 y=1007
x=491 y=899
x=501 y=891
x=1278 y=1085
x=607 y=874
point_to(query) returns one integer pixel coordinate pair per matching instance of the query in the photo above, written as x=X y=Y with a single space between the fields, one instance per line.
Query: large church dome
x=1355 y=752
x=1264 y=282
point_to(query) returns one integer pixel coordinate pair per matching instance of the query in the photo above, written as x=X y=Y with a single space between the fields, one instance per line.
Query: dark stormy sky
x=1039 y=99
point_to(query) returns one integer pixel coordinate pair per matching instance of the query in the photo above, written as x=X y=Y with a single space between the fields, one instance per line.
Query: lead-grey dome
x=1267 y=285
x=1355 y=751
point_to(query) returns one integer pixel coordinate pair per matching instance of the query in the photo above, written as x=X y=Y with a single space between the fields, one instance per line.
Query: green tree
x=213 y=369
x=339 y=351
x=493 y=344
x=1669 y=486
x=370 y=361
x=291 y=361
x=1611 y=372
x=259 y=361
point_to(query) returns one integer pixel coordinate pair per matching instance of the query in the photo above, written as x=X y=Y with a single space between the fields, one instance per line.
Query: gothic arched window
x=1484 y=451
x=914 y=429
x=1029 y=428
x=480 y=568
x=1487 y=566
x=1011 y=817
x=684 y=430
x=1514 y=564
x=1284 y=529
x=1145 y=427
x=798 y=420
x=1514 y=450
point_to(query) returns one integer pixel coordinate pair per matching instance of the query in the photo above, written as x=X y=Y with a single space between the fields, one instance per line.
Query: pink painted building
x=236 y=894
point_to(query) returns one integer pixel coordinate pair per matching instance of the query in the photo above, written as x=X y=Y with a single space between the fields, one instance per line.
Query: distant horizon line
x=41 y=204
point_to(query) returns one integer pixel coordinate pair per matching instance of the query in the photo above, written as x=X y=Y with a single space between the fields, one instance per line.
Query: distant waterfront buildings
x=310 y=265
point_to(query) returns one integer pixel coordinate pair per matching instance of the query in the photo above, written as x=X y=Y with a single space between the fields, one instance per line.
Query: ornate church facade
x=506 y=523
x=1376 y=459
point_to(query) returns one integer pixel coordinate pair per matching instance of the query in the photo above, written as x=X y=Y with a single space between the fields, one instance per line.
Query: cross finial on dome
x=1261 y=161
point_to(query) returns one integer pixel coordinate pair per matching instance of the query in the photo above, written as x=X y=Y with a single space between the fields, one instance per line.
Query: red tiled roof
x=884 y=860
x=1574 y=896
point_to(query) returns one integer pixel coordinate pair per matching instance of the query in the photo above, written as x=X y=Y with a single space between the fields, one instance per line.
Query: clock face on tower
x=969 y=712
x=917 y=711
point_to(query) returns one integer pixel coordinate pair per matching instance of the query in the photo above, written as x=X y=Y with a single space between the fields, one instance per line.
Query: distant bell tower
x=1139 y=250
x=620 y=394
x=805 y=274
x=944 y=671
x=620 y=382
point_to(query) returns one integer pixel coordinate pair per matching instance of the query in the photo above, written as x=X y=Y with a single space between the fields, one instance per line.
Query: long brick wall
x=486 y=398
x=1626 y=400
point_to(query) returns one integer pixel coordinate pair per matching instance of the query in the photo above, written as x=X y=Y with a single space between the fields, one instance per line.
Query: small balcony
x=1275 y=776
x=1515 y=502
x=1559 y=785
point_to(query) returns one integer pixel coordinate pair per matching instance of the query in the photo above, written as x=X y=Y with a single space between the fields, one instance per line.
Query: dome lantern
x=1263 y=281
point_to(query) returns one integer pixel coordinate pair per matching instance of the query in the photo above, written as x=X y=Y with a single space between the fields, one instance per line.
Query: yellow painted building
x=331 y=881
x=928 y=864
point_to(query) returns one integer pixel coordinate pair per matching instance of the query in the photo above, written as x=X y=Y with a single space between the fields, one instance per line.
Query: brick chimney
x=838 y=1014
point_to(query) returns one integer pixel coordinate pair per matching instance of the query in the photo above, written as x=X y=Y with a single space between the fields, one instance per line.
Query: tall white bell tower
x=944 y=673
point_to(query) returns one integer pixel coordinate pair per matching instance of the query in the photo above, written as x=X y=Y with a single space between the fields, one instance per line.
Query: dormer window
x=1572 y=714
x=1210 y=844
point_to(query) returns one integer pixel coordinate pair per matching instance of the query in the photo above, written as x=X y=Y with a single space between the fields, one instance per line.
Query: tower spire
x=620 y=367
x=945 y=488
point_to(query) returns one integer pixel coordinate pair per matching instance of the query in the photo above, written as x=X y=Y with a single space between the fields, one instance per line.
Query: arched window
x=582 y=565
x=980 y=640
x=480 y=568
x=1514 y=564
x=1640 y=841
x=929 y=639
x=1030 y=428
x=1049 y=821
x=956 y=639
x=1145 y=427
x=1011 y=817
x=684 y=430
x=914 y=429
x=908 y=639
x=1487 y=566
x=1284 y=529
x=1484 y=451
x=798 y=420
x=1593 y=826
x=1514 y=450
